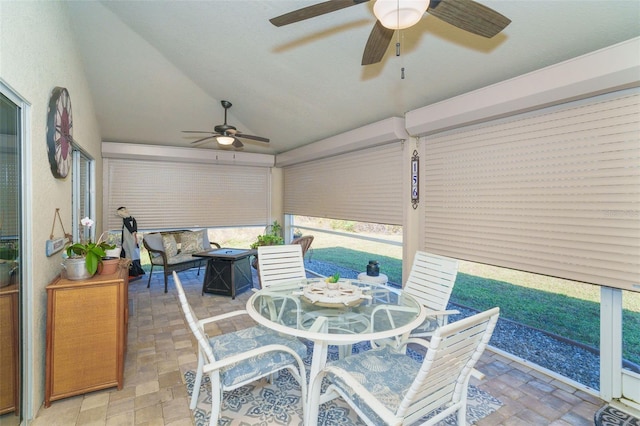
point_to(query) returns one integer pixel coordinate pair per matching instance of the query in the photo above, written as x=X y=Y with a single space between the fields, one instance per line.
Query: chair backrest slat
x=280 y=263
x=431 y=280
x=453 y=352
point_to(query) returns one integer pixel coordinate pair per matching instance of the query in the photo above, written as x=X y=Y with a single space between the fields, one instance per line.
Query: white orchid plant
x=92 y=252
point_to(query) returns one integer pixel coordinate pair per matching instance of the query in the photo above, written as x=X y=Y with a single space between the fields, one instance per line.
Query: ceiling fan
x=225 y=134
x=399 y=14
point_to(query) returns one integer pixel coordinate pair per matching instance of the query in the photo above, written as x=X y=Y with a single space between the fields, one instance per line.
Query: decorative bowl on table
x=333 y=295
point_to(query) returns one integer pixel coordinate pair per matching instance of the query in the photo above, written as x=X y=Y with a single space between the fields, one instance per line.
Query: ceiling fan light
x=399 y=14
x=225 y=140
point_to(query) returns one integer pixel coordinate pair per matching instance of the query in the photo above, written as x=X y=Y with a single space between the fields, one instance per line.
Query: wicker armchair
x=305 y=241
x=181 y=258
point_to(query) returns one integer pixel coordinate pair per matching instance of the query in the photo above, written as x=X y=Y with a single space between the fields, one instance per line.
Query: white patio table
x=345 y=315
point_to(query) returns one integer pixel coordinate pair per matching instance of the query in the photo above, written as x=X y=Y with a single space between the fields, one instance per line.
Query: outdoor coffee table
x=288 y=309
x=228 y=271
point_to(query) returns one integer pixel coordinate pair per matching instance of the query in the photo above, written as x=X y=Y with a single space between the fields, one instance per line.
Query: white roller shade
x=363 y=186
x=164 y=195
x=556 y=192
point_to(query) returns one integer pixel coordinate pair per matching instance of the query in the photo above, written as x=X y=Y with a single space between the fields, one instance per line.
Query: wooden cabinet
x=9 y=350
x=86 y=334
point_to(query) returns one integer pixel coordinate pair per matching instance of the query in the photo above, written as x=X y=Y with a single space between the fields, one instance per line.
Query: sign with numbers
x=415 y=176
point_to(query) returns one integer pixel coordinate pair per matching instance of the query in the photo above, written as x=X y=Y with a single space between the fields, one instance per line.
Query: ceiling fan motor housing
x=399 y=14
x=224 y=128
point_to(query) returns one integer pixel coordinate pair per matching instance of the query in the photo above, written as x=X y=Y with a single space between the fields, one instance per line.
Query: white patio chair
x=235 y=359
x=280 y=263
x=386 y=386
x=431 y=281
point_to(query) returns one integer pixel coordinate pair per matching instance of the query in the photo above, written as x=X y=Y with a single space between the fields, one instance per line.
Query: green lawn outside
x=563 y=307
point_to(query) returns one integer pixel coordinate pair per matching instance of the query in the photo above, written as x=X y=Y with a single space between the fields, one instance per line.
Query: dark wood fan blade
x=377 y=44
x=255 y=138
x=469 y=16
x=198 y=131
x=202 y=140
x=237 y=143
x=313 y=11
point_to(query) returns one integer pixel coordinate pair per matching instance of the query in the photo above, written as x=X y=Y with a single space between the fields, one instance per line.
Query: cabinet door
x=85 y=341
x=8 y=352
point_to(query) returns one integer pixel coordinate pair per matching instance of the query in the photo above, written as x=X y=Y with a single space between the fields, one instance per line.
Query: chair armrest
x=416 y=341
x=477 y=374
x=363 y=393
x=152 y=250
x=277 y=314
x=442 y=313
x=216 y=245
x=387 y=309
x=217 y=365
x=210 y=320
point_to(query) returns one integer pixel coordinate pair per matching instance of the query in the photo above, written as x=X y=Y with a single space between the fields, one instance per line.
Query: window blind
x=9 y=187
x=363 y=186
x=556 y=192
x=171 y=195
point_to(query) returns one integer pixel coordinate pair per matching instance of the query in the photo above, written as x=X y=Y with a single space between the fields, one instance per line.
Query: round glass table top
x=346 y=311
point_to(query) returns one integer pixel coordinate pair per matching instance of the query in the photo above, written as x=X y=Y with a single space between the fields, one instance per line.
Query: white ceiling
x=158 y=67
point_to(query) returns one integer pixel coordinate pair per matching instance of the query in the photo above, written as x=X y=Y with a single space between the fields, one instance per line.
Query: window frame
x=83 y=198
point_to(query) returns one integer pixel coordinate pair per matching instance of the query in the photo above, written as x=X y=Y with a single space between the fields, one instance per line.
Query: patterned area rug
x=264 y=403
x=611 y=416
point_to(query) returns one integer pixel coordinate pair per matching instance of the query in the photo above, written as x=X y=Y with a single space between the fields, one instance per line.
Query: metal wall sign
x=415 y=175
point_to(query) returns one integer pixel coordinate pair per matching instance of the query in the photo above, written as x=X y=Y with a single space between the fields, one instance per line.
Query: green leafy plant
x=271 y=238
x=333 y=278
x=92 y=252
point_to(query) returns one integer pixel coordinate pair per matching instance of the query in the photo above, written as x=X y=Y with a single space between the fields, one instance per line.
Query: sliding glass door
x=10 y=258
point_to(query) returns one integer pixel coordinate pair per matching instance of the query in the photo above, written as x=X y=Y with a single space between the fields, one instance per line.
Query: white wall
x=37 y=53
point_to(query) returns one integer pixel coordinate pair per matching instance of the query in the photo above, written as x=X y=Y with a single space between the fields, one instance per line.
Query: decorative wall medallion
x=59 y=132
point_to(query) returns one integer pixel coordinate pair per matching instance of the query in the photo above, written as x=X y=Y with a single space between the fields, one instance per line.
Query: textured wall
x=38 y=53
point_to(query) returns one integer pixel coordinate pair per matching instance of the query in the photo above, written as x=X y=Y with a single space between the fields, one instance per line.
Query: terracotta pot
x=108 y=265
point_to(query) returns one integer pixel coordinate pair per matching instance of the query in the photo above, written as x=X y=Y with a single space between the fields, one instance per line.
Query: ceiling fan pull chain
x=402 y=73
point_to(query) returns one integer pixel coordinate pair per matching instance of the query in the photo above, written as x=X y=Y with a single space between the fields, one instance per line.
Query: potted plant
x=272 y=236
x=114 y=239
x=83 y=257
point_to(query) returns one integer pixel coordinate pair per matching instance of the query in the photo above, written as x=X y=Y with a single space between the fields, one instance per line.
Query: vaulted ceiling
x=156 y=68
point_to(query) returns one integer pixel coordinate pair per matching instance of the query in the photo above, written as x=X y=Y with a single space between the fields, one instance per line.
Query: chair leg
x=197 y=382
x=165 y=282
x=150 y=273
x=344 y=351
x=312 y=409
x=462 y=411
x=216 y=401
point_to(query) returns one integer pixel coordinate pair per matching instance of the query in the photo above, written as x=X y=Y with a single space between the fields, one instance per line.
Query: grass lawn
x=566 y=308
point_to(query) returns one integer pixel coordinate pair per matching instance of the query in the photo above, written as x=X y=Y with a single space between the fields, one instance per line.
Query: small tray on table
x=344 y=295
